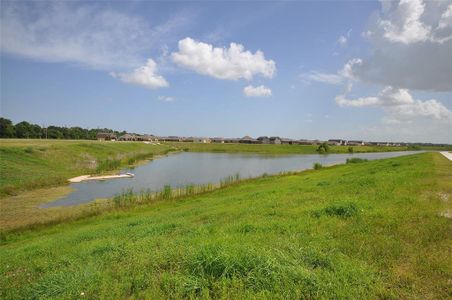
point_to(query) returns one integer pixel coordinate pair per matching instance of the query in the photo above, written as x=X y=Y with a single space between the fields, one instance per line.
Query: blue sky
x=357 y=70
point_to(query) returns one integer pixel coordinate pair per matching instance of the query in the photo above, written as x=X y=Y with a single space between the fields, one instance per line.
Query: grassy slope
x=291 y=236
x=31 y=164
x=275 y=149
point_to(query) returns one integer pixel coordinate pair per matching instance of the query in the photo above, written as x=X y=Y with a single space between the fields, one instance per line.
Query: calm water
x=185 y=168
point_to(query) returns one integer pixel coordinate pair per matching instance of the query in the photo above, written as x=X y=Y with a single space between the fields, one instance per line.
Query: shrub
x=350 y=149
x=355 y=160
x=323 y=148
x=29 y=150
x=317 y=166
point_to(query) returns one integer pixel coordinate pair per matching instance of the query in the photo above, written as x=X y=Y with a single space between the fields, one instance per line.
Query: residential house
x=248 y=140
x=204 y=140
x=287 y=141
x=337 y=142
x=355 y=143
x=218 y=140
x=275 y=140
x=263 y=140
x=106 y=136
x=127 y=137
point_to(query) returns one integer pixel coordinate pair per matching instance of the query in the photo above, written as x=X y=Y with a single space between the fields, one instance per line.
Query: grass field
x=30 y=164
x=275 y=149
x=357 y=231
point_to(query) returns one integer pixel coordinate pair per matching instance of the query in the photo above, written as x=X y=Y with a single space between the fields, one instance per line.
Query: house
x=147 y=138
x=218 y=140
x=106 y=136
x=275 y=140
x=248 y=140
x=203 y=140
x=336 y=142
x=127 y=137
x=231 y=140
x=170 y=139
x=306 y=142
x=263 y=140
x=355 y=143
x=287 y=141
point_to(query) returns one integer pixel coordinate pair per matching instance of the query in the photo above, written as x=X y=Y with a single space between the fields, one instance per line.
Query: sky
x=368 y=70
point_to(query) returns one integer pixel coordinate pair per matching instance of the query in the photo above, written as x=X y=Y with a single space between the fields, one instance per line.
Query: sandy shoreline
x=446 y=154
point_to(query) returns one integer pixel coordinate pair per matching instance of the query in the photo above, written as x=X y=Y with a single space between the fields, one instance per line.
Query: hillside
x=359 y=231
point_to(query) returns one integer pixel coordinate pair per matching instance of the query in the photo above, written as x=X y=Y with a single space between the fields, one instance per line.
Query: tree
x=23 y=130
x=7 y=129
x=323 y=148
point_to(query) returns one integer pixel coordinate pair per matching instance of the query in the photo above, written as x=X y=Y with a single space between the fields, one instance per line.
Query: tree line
x=25 y=130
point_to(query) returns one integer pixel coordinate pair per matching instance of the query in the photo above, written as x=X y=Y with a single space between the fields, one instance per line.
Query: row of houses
x=106 y=136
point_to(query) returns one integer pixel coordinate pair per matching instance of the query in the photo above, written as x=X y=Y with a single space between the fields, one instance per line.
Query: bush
x=323 y=148
x=350 y=149
x=355 y=160
x=317 y=166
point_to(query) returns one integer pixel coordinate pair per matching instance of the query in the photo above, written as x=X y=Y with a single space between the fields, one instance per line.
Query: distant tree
x=23 y=130
x=7 y=129
x=323 y=148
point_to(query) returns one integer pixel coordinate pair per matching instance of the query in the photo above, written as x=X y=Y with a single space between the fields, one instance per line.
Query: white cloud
x=400 y=104
x=144 y=76
x=329 y=78
x=89 y=35
x=342 y=40
x=231 y=63
x=258 y=91
x=404 y=24
x=166 y=98
x=411 y=47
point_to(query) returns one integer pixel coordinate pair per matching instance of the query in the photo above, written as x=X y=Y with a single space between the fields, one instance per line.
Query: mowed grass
x=357 y=231
x=276 y=149
x=31 y=164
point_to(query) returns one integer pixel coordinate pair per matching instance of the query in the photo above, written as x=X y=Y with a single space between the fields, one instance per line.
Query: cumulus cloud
x=231 y=63
x=144 y=76
x=400 y=104
x=88 y=35
x=258 y=91
x=411 y=47
x=329 y=78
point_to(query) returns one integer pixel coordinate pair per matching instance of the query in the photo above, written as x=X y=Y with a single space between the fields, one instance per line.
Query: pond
x=186 y=168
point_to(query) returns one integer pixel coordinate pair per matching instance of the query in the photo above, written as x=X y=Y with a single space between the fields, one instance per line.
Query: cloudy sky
x=357 y=70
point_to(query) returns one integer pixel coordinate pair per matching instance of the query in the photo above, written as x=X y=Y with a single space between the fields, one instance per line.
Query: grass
x=32 y=164
x=276 y=149
x=356 y=231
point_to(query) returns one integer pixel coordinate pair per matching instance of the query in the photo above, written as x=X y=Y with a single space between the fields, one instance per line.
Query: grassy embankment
x=30 y=164
x=33 y=172
x=276 y=149
x=364 y=230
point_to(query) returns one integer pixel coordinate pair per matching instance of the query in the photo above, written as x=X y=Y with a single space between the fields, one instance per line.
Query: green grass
x=355 y=231
x=31 y=164
x=276 y=149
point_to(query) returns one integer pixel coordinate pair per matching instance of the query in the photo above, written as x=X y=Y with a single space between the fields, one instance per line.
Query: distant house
x=355 y=143
x=171 y=139
x=203 y=140
x=127 y=137
x=275 y=140
x=306 y=142
x=147 y=138
x=231 y=140
x=263 y=140
x=106 y=136
x=287 y=141
x=218 y=140
x=336 y=142
x=248 y=140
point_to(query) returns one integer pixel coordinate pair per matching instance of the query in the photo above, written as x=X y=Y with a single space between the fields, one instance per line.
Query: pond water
x=186 y=168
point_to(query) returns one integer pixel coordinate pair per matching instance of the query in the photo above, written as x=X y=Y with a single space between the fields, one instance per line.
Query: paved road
x=447 y=154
